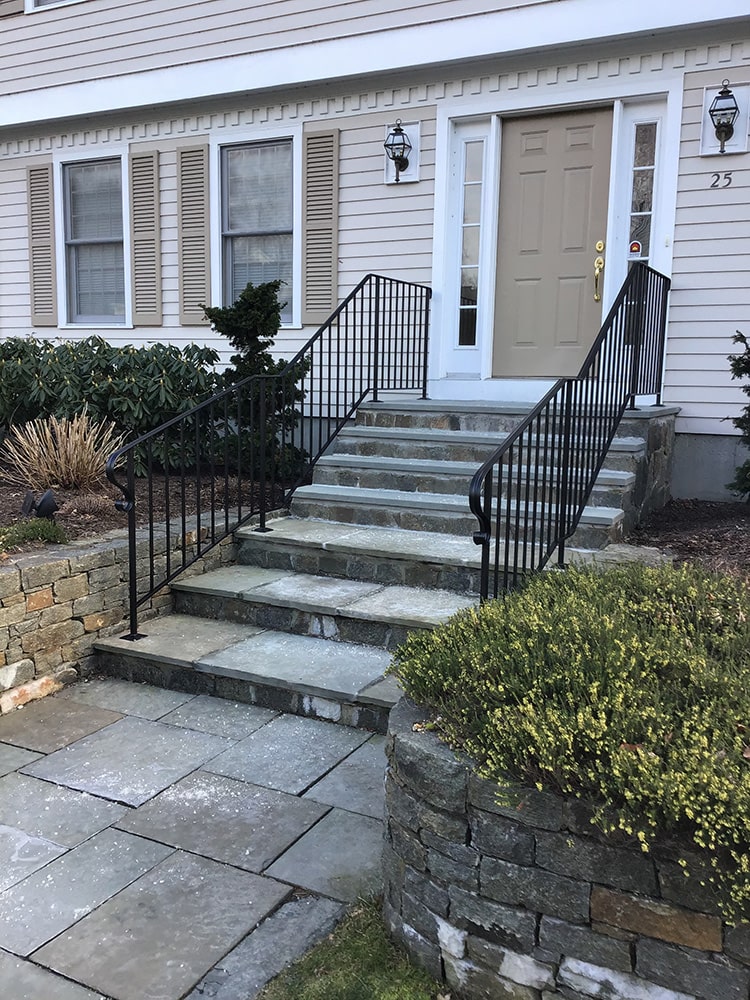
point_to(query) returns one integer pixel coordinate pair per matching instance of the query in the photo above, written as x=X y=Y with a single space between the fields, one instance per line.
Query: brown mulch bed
x=716 y=535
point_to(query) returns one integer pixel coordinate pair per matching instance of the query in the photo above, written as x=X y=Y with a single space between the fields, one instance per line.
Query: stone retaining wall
x=57 y=601
x=526 y=901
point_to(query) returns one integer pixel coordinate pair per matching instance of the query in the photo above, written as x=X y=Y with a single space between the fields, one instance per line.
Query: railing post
x=376 y=343
x=263 y=483
x=426 y=328
x=636 y=330
x=563 y=498
x=129 y=505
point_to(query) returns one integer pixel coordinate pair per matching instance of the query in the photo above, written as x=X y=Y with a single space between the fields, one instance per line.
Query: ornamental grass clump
x=630 y=688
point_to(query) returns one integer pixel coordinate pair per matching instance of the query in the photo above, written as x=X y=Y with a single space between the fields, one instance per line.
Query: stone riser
x=260 y=550
x=442 y=522
x=445 y=483
x=276 y=697
x=337 y=628
x=500 y=424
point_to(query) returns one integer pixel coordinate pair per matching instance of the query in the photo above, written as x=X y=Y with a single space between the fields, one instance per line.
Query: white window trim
x=238 y=138
x=637 y=104
x=63 y=303
x=32 y=8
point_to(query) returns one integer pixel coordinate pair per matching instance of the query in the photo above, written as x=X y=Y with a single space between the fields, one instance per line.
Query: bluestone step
x=322 y=606
x=339 y=681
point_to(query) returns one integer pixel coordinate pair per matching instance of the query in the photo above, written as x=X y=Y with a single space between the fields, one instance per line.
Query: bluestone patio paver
x=23 y=855
x=143 y=700
x=37 y=909
x=356 y=783
x=129 y=761
x=231 y=719
x=223 y=819
x=24 y=981
x=181 y=918
x=317 y=594
x=339 y=857
x=289 y=753
x=43 y=727
x=332 y=669
x=12 y=758
x=181 y=639
x=230 y=581
x=409 y=606
x=281 y=939
x=62 y=815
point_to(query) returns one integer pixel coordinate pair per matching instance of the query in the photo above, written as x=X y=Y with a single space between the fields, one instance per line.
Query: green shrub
x=137 y=388
x=630 y=688
x=739 y=365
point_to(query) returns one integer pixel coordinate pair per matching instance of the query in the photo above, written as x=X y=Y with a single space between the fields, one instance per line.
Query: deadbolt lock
x=599 y=246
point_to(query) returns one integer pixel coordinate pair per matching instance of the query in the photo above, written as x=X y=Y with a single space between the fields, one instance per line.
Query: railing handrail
x=635 y=283
x=375 y=338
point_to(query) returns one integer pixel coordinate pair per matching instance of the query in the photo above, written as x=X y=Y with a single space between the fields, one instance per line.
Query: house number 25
x=721 y=180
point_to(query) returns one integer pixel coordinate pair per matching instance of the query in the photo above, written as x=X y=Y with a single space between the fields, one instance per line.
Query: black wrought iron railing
x=240 y=454
x=530 y=494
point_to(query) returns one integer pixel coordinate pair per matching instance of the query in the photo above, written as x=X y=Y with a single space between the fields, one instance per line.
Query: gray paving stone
x=11 y=758
x=23 y=981
x=46 y=903
x=318 y=594
x=289 y=754
x=129 y=761
x=231 y=719
x=409 y=606
x=386 y=692
x=23 y=855
x=339 y=857
x=357 y=783
x=181 y=918
x=329 y=669
x=62 y=815
x=224 y=819
x=49 y=724
x=143 y=700
x=280 y=940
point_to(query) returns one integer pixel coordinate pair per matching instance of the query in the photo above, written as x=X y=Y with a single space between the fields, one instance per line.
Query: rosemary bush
x=630 y=688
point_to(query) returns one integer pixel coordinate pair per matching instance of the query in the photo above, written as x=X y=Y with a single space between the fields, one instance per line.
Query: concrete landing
x=175 y=846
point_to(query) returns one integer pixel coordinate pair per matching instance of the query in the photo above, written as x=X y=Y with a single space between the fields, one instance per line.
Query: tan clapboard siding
x=711 y=272
x=385 y=229
x=10 y=7
x=42 y=271
x=89 y=40
x=145 y=238
x=193 y=233
x=320 y=208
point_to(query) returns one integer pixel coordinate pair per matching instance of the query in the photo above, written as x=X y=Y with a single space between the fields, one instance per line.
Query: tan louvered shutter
x=320 y=209
x=145 y=238
x=8 y=7
x=192 y=220
x=42 y=271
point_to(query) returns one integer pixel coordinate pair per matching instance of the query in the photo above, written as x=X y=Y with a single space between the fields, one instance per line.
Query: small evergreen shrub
x=251 y=324
x=630 y=688
x=67 y=452
x=739 y=365
x=37 y=529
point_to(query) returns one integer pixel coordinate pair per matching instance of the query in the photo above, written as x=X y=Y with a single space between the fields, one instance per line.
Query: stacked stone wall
x=57 y=601
x=526 y=901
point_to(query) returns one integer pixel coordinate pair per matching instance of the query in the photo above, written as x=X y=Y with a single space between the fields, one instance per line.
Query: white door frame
x=461 y=373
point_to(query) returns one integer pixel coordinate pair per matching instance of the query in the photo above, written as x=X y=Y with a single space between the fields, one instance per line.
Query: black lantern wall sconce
x=723 y=113
x=397 y=147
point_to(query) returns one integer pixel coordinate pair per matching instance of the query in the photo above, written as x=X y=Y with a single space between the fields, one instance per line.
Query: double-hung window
x=94 y=252
x=257 y=214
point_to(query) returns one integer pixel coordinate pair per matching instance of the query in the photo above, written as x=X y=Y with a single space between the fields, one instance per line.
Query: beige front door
x=554 y=187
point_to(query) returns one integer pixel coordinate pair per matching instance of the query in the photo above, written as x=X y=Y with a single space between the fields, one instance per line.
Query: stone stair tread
x=606 y=477
x=456 y=550
x=313 y=667
x=443 y=436
x=411 y=607
x=445 y=502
